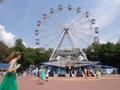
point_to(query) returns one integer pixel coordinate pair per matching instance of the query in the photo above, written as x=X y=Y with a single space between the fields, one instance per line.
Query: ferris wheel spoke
x=85 y=34
x=82 y=40
x=78 y=27
x=51 y=35
x=80 y=23
x=81 y=31
x=49 y=38
x=52 y=20
x=76 y=20
x=62 y=21
x=47 y=33
x=81 y=27
x=59 y=17
x=53 y=39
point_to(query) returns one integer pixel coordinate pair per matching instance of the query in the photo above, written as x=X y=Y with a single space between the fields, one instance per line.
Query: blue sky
x=18 y=18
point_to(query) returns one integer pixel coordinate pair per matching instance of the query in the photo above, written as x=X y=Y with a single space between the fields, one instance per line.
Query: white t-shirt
x=47 y=73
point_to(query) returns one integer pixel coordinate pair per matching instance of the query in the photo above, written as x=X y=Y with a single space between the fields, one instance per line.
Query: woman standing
x=9 y=82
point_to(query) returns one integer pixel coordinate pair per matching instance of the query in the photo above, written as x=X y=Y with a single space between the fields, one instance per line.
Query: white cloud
x=6 y=37
x=25 y=44
x=114 y=41
x=116 y=1
x=104 y=38
x=106 y=12
x=112 y=36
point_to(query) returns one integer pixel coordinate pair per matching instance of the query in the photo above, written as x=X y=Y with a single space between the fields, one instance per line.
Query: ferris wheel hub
x=66 y=29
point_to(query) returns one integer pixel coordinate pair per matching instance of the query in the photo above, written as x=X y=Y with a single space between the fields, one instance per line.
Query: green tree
x=93 y=52
x=116 y=59
x=41 y=57
x=107 y=53
x=3 y=51
x=18 y=45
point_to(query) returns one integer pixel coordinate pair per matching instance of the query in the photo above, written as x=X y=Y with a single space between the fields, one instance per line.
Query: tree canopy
x=107 y=54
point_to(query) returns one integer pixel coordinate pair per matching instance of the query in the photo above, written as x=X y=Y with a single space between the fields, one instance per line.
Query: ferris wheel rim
x=55 y=10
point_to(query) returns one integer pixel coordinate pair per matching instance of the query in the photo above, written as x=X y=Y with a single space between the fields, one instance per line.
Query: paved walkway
x=61 y=83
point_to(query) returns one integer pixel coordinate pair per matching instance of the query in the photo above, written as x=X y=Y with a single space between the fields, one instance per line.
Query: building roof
x=76 y=63
x=4 y=65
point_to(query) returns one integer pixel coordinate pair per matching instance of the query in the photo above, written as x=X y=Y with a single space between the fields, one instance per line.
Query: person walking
x=47 y=73
x=42 y=74
x=9 y=81
x=85 y=71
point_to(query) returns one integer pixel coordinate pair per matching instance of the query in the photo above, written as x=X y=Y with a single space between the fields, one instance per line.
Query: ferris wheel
x=67 y=31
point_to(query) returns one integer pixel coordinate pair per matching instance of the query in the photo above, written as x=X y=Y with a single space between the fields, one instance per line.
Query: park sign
x=75 y=63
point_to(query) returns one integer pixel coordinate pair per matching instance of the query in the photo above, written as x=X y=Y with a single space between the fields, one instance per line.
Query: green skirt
x=9 y=82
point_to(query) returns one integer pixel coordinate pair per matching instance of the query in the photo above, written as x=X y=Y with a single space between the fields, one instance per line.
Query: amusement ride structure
x=67 y=31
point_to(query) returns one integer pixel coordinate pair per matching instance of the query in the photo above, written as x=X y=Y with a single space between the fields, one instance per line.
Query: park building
x=3 y=68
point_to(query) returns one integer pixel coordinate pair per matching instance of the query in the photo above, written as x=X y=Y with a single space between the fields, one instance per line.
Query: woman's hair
x=14 y=54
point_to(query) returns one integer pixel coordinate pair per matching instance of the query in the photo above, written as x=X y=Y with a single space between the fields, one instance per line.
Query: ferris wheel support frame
x=72 y=40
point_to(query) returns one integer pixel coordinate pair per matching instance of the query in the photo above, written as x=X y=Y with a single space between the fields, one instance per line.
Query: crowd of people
x=9 y=81
x=91 y=72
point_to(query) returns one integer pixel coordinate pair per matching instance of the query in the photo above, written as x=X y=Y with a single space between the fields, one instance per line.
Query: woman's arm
x=11 y=67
